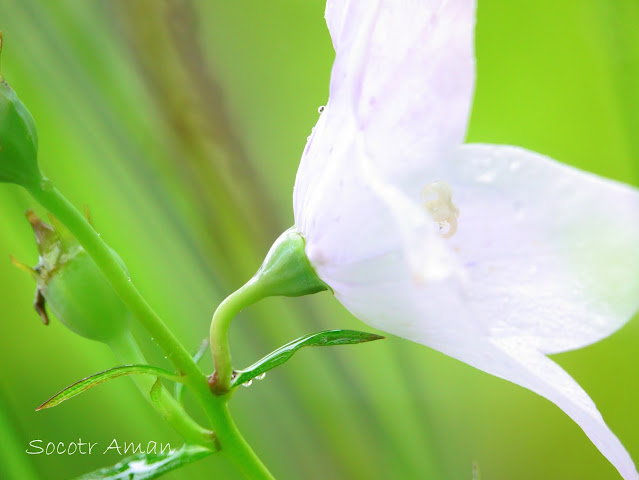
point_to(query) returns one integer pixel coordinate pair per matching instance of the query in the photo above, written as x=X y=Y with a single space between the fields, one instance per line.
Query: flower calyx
x=286 y=270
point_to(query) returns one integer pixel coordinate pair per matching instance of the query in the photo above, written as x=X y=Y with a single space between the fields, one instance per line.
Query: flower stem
x=128 y=352
x=234 y=446
x=227 y=310
x=229 y=439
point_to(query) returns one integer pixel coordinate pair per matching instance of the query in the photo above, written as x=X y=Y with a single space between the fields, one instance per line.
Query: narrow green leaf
x=155 y=392
x=326 y=338
x=93 y=380
x=145 y=466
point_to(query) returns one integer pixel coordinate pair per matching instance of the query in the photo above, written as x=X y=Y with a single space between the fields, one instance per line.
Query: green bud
x=18 y=140
x=72 y=286
x=286 y=270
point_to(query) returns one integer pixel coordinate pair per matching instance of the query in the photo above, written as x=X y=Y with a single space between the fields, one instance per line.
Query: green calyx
x=286 y=270
x=71 y=285
x=18 y=140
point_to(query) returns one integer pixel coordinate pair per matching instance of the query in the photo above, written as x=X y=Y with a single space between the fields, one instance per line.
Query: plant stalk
x=229 y=439
x=219 y=332
x=128 y=352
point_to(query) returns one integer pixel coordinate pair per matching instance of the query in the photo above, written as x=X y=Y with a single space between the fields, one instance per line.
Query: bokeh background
x=181 y=123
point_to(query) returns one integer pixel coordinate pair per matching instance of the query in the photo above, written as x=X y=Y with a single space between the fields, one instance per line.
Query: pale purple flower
x=494 y=255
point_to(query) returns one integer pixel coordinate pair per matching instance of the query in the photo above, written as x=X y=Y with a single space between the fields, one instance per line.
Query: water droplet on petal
x=320 y=110
x=441 y=208
x=261 y=376
x=248 y=384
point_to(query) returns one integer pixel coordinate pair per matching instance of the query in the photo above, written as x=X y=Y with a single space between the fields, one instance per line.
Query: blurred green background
x=181 y=123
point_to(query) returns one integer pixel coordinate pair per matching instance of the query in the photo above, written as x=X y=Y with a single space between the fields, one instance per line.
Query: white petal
x=545 y=258
x=538 y=373
x=551 y=256
x=407 y=67
x=335 y=208
x=350 y=213
x=400 y=96
x=383 y=294
x=551 y=252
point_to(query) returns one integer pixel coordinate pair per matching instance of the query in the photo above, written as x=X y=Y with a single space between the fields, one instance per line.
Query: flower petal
x=551 y=253
x=515 y=362
x=548 y=253
x=408 y=68
x=545 y=257
x=383 y=294
x=400 y=96
x=551 y=257
x=538 y=373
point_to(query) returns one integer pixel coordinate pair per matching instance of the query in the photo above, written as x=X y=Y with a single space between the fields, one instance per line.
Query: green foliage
x=144 y=466
x=101 y=377
x=276 y=358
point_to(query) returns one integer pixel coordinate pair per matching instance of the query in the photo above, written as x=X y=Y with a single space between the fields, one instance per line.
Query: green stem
x=128 y=352
x=219 y=332
x=234 y=446
x=231 y=442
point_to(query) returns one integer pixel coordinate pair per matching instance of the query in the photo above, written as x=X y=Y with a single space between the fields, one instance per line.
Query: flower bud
x=72 y=286
x=18 y=140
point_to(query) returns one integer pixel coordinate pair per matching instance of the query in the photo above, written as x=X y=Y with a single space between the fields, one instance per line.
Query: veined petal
x=400 y=96
x=551 y=252
x=413 y=89
x=350 y=214
x=383 y=294
x=551 y=261
x=408 y=69
x=335 y=208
